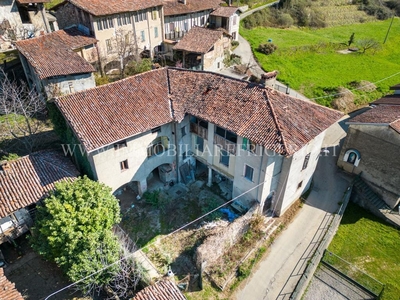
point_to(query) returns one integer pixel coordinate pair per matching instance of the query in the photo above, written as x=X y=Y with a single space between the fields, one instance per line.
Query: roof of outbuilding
x=7 y=288
x=381 y=114
x=101 y=8
x=175 y=7
x=199 y=40
x=52 y=54
x=224 y=11
x=29 y=179
x=388 y=100
x=109 y=113
x=161 y=290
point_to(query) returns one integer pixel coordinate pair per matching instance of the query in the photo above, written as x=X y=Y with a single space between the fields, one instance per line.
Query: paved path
x=249 y=12
x=279 y=271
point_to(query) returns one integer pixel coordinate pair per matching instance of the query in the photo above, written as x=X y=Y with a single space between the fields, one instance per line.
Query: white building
x=170 y=123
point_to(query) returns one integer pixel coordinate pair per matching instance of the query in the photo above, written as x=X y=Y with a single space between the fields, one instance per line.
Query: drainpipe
x=259 y=177
x=148 y=30
x=177 y=152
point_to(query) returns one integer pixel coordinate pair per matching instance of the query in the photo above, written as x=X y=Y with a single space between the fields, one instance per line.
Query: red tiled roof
x=395 y=87
x=388 y=100
x=30 y=178
x=161 y=290
x=224 y=11
x=7 y=289
x=174 y=7
x=106 y=114
x=395 y=125
x=381 y=114
x=102 y=8
x=198 y=40
x=52 y=54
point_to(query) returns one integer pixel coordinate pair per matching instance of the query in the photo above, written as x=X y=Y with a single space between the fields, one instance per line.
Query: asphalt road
x=278 y=273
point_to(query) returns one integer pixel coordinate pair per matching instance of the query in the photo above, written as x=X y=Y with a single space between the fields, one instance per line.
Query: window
x=305 y=163
x=230 y=136
x=352 y=156
x=202 y=21
x=248 y=172
x=124 y=165
x=99 y=25
x=183 y=131
x=234 y=20
x=71 y=87
x=119 y=145
x=155 y=32
x=300 y=184
x=199 y=122
x=154 y=14
x=119 y=20
x=124 y=19
x=218 y=65
x=184 y=155
x=142 y=36
x=159 y=145
x=141 y=16
x=108 y=45
x=156 y=129
x=199 y=143
x=224 y=158
x=171 y=26
x=249 y=145
x=127 y=19
x=110 y=22
x=234 y=36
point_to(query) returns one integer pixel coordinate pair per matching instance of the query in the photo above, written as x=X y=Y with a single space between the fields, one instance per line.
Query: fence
x=319 y=252
x=351 y=272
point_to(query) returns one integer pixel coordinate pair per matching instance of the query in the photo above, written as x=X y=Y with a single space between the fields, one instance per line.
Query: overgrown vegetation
x=309 y=61
x=371 y=245
x=138 y=66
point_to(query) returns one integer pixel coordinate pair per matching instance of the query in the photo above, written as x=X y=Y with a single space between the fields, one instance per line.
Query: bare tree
x=22 y=113
x=366 y=44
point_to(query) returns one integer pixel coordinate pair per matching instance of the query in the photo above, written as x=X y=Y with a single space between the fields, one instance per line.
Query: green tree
x=74 y=229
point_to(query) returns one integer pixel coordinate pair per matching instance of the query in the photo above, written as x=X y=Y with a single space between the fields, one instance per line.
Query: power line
x=161 y=238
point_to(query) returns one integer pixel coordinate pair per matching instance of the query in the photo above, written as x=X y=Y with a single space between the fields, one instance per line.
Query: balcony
x=200 y=131
x=225 y=144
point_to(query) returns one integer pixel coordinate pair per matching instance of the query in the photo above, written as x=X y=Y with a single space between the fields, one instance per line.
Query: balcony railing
x=225 y=144
x=200 y=131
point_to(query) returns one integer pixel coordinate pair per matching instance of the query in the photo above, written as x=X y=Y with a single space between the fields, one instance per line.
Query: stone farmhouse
x=58 y=63
x=372 y=146
x=226 y=18
x=26 y=181
x=203 y=49
x=130 y=26
x=172 y=123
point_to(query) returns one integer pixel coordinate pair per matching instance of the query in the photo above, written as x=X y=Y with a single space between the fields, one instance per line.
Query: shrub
x=267 y=49
x=235 y=43
x=285 y=20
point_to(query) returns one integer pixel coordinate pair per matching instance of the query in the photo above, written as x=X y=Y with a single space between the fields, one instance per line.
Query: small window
x=300 y=184
x=184 y=155
x=108 y=45
x=99 y=25
x=249 y=145
x=171 y=26
x=183 y=131
x=228 y=135
x=142 y=36
x=248 y=172
x=110 y=22
x=352 y=156
x=202 y=21
x=199 y=143
x=156 y=129
x=154 y=14
x=124 y=165
x=155 y=32
x=119 y=145
x=218 y=65
x=71 y=87
x=119 y=20
x=104 y=22
x=127 y=19
x=306 y=159
x=224 y=158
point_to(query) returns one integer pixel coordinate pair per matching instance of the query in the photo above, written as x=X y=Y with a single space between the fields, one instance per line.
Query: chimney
x=5 y=166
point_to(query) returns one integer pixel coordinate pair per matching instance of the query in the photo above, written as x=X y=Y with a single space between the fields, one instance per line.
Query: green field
x=307 y=59
x=371 y=245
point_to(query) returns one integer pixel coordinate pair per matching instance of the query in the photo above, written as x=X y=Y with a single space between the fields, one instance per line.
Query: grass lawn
x=308 y=61
x=371 y=245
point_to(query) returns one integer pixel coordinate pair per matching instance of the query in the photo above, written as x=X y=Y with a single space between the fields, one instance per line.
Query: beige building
x=203 y=49
x=226 y=17
x=58 y=63
x=372 y=148
x=122 y=28
x=171 y=124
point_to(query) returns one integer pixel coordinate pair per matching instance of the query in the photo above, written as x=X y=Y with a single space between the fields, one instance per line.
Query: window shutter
x=244 y=144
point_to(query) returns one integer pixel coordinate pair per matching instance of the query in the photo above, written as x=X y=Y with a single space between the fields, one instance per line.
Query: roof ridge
x=275 y=118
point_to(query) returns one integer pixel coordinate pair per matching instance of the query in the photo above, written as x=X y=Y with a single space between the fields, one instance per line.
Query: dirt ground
x=34 y=277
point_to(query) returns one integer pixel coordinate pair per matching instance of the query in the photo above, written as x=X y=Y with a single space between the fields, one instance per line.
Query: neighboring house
x=58 y=63
x=161 y=290
x=136 y=23
x=372 y=148
x=182 y=15
x=7 y=288
x=22 y=19
x=203 y=49
x=26 y=181
x=226 y=17
x=169 y=123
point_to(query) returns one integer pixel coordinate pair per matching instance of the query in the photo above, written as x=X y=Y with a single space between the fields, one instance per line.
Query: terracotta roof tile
x=174 y=7
x=137 y=104
x=101 y=8
x=388 y=100
x=161 y=290
x=199 y=40
x=395 y=125
x=224 y=11
x=103 y=115
x=7 y=289
x=30 y=178
x=381 y=114
x=53 y=55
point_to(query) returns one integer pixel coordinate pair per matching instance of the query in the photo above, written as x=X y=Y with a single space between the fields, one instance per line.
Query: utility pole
x=390 y=26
